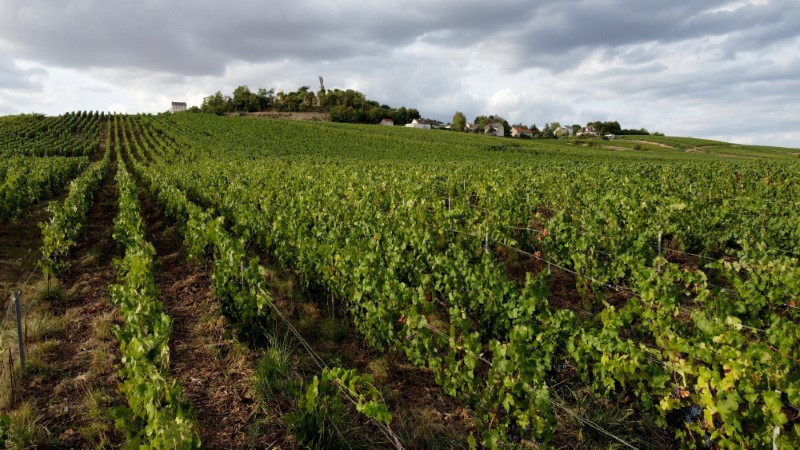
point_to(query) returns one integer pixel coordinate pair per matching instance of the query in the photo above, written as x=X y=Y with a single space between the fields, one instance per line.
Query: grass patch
x=274 y=376
x=379 y=369
x=623 y=422
x=99 y=427
x=426 y=429
x=334 y=330
x=42 y=325
x=25 y=429
x=102 y=327
x=54 y=293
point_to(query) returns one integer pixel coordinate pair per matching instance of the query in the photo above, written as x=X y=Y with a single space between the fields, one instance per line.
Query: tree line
x=349 y=105
x=550 y=130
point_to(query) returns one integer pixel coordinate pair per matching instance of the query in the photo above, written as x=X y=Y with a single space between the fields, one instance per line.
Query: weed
x=25 y=429
x=54 y=293
x=98 y=425
x=44 y=325
x=324 y=422
x=334 y=330
x=426 y=429
x=379 y=369
x=620 y=421
x=274 y=377
x=103 y=327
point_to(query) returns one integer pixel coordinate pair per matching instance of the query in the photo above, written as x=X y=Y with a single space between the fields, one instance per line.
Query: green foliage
x=347 y=106
x=68 y=219
x=27 y=180
x=157 y=416
x=274 y=373
x=72 y=134
x=23 y=428
x=459 y=121
x=397 y=226
x=320 y=414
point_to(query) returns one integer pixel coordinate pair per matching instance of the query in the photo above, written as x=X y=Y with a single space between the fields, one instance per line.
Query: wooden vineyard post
x=659 y=243
x=12 y=389
x=20 y=336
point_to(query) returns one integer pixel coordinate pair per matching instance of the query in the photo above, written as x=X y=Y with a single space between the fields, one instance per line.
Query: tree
x=401 y=116
x=216 y=104
x=481 y=122
x=459 y=121
x=241 y=99
x=575 y=129
x=265 y=98
x=547 y=131
x=506 y=129
x=535 y=131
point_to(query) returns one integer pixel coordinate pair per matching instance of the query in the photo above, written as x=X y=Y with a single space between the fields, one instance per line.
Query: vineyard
x=311 y=284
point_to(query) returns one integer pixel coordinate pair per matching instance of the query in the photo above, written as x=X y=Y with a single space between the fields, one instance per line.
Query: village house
x=587 y=131
x=178 y=107
x=470 y=127
x=494 y=129
x=563 y=131
x=521 y=132
x=387 y=122
x=419 y=123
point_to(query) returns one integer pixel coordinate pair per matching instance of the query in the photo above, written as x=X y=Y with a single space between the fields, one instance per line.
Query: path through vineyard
x=214 y=372
x=73 y=351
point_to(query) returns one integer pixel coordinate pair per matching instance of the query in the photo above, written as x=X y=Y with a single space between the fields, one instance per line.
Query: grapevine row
x=157 y=415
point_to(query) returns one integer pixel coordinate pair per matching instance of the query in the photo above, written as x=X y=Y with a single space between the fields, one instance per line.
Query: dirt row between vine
x=70 y=379
x=214 y=371
x=85 y=382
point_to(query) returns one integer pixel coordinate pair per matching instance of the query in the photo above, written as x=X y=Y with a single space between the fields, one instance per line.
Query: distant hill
x=693 y=145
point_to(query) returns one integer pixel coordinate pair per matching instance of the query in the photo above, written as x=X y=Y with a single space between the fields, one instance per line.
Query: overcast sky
x=716 y=69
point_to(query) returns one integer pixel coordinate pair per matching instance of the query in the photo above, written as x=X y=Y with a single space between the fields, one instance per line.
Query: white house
x=611 y=137
x=563 y=131
x=588 y=131
x=494 y=129
x=178 y=107
x=521 y=132
x=418 y=123
x=469 y=127
x=387 y=122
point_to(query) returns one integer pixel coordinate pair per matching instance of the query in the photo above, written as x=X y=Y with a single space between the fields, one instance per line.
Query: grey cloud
x=202 y=37
x=619 y=57
x=12 y=77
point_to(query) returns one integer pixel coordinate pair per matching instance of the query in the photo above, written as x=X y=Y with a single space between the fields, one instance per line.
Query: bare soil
x=215 y=373
x=71 y=378
x=310 y=115
x=87 y=354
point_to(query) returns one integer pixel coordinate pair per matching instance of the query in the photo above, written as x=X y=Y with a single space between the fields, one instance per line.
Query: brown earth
x=71 y=353
x=88 y=353
x=310 y=115
x=213 y=369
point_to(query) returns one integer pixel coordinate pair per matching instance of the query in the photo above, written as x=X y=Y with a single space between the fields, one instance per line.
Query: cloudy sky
x=713 y=68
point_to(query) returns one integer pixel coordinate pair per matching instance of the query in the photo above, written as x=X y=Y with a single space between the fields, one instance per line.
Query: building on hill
x=470 y=127
x=419 y=123
x=387 y=122
x=178 y=107
x=494 y=129
x=563 y=131
x=587 y=131
x=521 y=132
